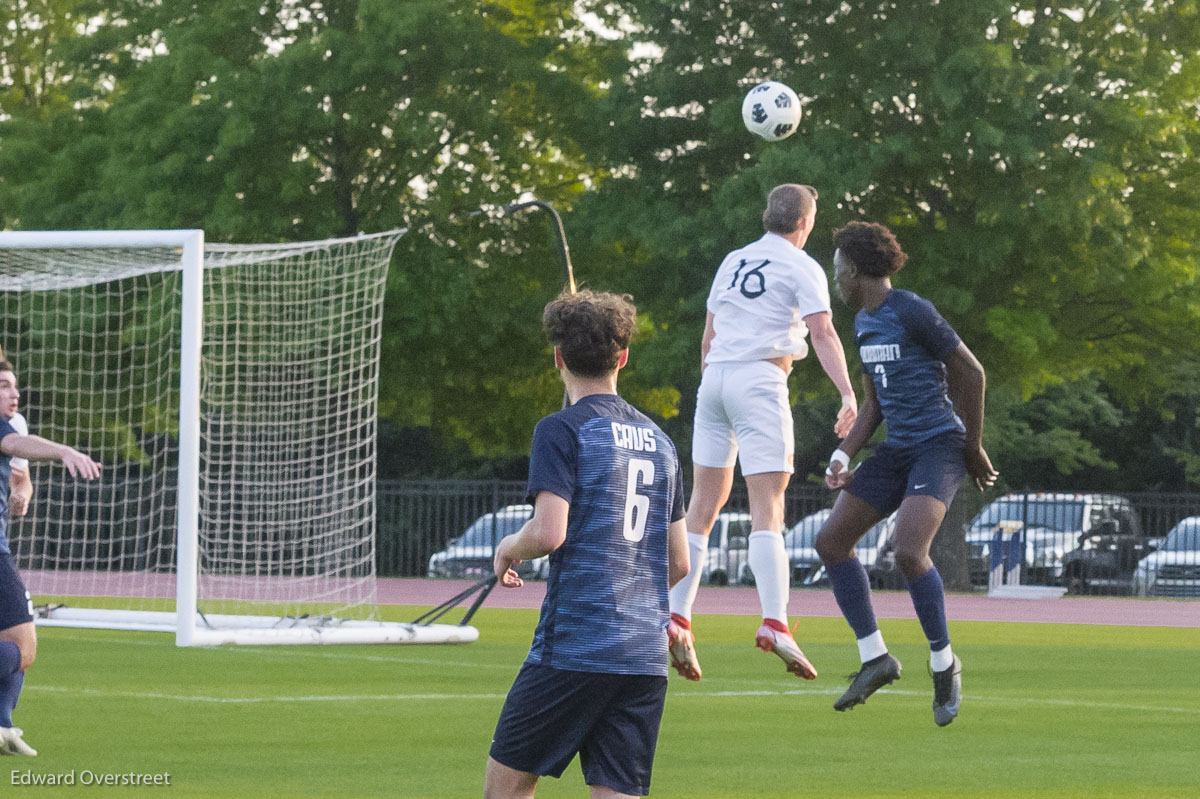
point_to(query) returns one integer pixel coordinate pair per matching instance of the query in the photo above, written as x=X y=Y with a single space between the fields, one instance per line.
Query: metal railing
x=1087 y=543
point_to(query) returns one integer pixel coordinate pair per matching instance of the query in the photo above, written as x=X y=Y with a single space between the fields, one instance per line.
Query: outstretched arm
x=966 y=383
x=828 y=346
x=20 y=492
x=706 y=339
x=36 y=448
x=870 y=416
x=542 y=534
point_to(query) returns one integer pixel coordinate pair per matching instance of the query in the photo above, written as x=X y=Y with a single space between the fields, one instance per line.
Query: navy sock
x=929 y=600
x=852 y=590
x=11 y=680
x=10 y=692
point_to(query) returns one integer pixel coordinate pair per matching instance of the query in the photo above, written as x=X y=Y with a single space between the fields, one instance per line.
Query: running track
x=820 y=603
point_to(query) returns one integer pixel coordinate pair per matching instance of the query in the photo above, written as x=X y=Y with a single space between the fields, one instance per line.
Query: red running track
x=820 y=603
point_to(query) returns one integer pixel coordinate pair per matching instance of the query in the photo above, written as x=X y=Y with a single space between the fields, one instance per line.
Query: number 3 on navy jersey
x=637 y=506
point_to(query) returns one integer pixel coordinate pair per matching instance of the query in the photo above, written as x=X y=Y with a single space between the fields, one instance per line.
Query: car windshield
x=1051 y=514
x=804 y=533
x=489 y=529
x=1184 y=537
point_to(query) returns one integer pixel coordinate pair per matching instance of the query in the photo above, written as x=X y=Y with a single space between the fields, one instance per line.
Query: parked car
x=807 y=569
x=1107 y=556
x=728 y=548
x=1174 y=568
x=1050 y=525
x=470 y=555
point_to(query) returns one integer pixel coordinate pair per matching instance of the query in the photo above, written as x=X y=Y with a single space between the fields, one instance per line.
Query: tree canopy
x=1036 y=160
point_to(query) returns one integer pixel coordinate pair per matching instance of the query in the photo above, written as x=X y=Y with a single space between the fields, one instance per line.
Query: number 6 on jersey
x=637 y=505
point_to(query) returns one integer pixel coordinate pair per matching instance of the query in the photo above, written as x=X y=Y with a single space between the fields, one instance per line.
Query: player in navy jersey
x=607 y=494
x=18 y=638
x=922 y=381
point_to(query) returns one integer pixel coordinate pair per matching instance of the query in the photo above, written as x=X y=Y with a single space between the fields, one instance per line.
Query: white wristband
x=839 y=456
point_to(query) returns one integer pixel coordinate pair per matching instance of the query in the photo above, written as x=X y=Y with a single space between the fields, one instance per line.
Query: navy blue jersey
x=606 y=596
x=903 y=344
x=5 y=471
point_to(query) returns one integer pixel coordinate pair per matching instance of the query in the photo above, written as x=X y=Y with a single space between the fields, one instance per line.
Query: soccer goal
x=230 y=393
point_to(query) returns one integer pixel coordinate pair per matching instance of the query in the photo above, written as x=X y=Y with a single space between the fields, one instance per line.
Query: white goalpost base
x=262 y=630
x=230 y=392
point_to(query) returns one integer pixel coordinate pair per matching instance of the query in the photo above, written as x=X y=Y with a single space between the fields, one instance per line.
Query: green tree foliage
x=290 y=120
x=1037 y=161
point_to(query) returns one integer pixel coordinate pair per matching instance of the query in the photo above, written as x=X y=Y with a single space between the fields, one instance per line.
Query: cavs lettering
x=638 y=439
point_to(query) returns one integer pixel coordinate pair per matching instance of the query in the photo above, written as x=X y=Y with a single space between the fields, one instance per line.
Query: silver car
x=1173 y=569
x=470 y=555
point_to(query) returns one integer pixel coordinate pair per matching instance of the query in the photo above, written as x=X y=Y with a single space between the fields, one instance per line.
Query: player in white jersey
x=766 y=298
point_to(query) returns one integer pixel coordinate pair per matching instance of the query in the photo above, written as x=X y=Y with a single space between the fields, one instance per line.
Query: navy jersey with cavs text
x=606 y=597
x=903 y=345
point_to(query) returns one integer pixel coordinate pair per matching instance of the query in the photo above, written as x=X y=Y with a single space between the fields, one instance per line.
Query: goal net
x=230 y=393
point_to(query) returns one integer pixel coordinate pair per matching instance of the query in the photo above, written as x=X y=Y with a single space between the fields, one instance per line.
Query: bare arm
x=36 y=448
x=678 y=558
x=706 y=339
x=542 y=534
x=966 y=382
x=828 y=346
x=870 y=416
x=20 y=492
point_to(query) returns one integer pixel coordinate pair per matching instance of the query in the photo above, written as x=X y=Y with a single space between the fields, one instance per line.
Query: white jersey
x=759 y=299
x=21 y=426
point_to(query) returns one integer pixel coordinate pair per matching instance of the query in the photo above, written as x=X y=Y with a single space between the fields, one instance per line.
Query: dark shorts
x=15 y=605
x=611 y=720
x=933 y=468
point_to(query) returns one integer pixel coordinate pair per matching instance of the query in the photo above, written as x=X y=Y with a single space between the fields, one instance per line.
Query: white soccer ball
x=771 y=110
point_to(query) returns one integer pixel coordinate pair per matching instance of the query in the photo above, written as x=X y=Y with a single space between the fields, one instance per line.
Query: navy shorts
x=934 y=467
x=15 y=605
x=611 y=720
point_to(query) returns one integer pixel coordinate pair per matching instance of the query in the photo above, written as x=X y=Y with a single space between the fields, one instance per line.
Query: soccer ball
x=771 y=110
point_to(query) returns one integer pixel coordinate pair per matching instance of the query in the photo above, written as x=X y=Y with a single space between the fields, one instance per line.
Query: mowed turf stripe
x=236 y=700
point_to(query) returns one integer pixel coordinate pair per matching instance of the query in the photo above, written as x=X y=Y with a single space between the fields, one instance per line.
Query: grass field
x=1048 y=711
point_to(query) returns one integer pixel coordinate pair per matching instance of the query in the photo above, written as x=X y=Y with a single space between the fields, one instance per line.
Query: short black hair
x=590 y=329
x=872 y=247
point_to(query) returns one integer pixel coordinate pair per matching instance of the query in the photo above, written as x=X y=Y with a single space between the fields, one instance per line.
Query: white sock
x=941 y=659
x=871 y=647
x=683 y=595
x=769 y=561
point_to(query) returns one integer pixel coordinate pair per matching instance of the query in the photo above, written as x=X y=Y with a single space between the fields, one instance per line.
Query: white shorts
x=744 y=407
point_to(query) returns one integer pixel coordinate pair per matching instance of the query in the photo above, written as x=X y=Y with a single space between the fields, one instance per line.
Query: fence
x=1140 y=543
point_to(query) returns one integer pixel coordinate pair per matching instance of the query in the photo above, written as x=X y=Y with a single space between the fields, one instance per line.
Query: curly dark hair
x=590 y=328
x=872 y=247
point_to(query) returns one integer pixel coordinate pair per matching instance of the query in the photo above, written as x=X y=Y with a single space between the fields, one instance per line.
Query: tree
x=1035 y=159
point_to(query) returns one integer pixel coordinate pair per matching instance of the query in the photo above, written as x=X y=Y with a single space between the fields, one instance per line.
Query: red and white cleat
x=781 y=642
x=682 y=646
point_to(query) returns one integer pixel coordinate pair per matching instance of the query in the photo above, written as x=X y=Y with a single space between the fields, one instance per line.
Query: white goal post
x=230 y=393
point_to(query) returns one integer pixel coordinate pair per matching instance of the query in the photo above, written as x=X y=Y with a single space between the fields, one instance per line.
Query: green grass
x=1048 y=711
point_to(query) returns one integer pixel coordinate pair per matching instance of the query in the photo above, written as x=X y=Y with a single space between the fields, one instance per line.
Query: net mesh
x=289 y=383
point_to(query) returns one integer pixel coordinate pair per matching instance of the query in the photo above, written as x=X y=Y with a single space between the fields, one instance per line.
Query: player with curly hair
x=607 y=494
x=921 y=380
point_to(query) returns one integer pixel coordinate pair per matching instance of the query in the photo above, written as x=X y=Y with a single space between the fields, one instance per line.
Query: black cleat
x=947 y=693
x=873 y=675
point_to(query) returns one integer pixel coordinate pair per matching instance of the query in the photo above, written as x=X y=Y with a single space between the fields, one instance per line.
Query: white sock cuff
x=759 y=534
x=697 y=541
x=871 y=647
x=941 y=659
